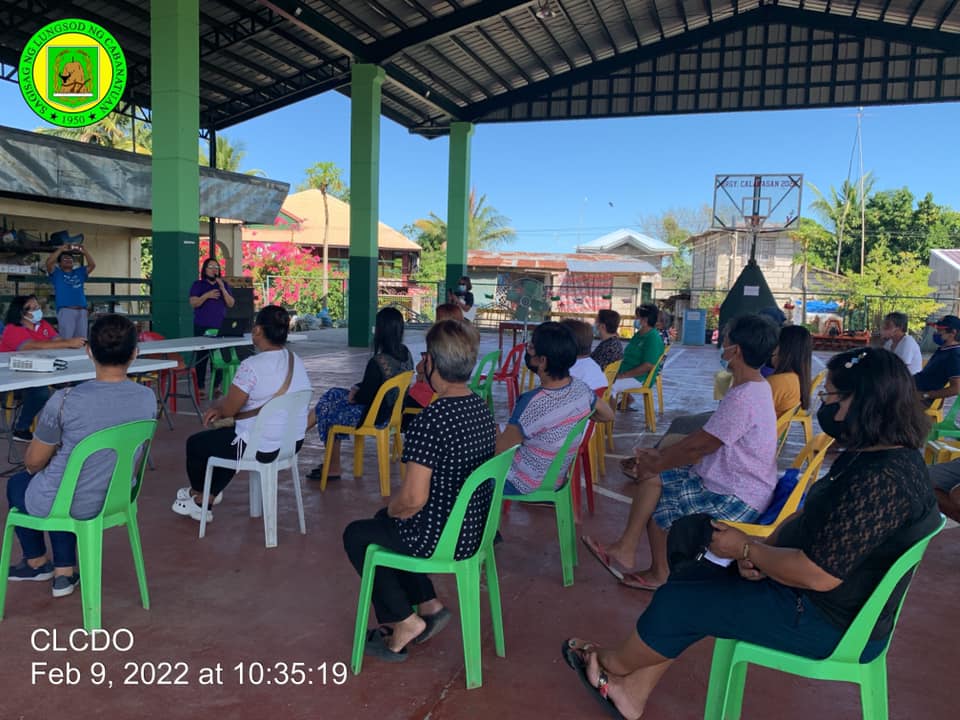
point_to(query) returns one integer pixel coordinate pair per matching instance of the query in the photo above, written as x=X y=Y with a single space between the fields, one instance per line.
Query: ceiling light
x=547 y=10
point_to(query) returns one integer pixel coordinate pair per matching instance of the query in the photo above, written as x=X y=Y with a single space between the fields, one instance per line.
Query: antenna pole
x=863 y=211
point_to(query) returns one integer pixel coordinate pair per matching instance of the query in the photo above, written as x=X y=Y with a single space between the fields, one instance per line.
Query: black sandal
x=376 y=645
x=600 y=690
x=317 y=474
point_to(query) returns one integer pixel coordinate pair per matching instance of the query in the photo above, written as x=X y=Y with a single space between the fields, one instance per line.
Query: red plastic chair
x=509 y=373
x=173 y=375
x=583 y=465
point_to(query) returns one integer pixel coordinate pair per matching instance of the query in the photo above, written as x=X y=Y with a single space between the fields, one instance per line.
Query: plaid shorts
x=684 y=494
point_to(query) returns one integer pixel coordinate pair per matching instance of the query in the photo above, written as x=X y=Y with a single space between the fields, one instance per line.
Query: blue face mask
x=724 y=364
x=636 y=324
x=938 y=338
x=35 y=316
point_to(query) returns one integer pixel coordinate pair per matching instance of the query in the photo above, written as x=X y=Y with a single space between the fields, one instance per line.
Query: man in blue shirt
x=941 y=376
x=68 y=288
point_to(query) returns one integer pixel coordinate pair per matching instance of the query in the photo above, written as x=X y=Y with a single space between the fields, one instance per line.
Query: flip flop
x=435 y=623
x=569 y=651
x=317 y=474
x=596 y=549
x=598 y=692
x=637 y=582
x=376 y=646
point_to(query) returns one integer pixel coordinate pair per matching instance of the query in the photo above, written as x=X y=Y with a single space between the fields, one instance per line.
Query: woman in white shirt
x=258 y=380
x=896 y=340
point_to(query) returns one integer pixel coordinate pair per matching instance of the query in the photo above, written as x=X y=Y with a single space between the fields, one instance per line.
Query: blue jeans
x=33 y=400
x=64 y=544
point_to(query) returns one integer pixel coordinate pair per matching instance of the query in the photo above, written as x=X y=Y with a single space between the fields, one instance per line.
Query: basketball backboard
x=757 y=203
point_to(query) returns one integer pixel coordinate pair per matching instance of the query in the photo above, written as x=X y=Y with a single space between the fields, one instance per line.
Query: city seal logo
x=72 y=73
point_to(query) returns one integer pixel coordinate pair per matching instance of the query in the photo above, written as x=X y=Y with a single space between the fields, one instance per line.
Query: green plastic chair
x=728 y=672
x=119 y=508
x=482 y=381
x=467 y=571
x=227 y=362
x=947 y=428
x=562 y=500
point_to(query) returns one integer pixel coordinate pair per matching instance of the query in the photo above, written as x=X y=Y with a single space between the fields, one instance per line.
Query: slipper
x=435 y=623
x=376 y=646
x=600 y=692
x=569 y=651
x=637 y=582
x=596 y=549
x=317 y=474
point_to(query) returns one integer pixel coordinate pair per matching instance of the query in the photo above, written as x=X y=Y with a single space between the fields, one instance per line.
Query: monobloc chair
x=264 y=476
x=728 y=672
x=467 y=570
x=803 y=416
x=129 y=444
x=812 y=456
x=605 y=430
x=482 y=381
x=646 y=390
x=509 y=373
x=398 y=384
x=783 y=427
x=585 y=464
x=170 y=379
x=561 y=498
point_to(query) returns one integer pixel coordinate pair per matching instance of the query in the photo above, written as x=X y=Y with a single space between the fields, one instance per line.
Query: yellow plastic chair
x=935 y=410
x=812 y=455
x=400 y=383
x=603 y=432
x=663 y=361
x=783 y=427
x=941 y=451
x=646 y=390
x=803 y=416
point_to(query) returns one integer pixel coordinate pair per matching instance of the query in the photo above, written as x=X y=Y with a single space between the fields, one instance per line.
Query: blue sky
x=561 y=181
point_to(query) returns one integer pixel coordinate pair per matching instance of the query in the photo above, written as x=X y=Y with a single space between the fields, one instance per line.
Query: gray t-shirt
x=86 y=408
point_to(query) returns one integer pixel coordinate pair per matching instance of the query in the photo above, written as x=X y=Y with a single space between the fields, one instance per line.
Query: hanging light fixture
x=547 y=10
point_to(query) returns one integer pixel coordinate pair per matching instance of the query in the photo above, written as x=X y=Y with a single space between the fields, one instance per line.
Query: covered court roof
x=490 y=61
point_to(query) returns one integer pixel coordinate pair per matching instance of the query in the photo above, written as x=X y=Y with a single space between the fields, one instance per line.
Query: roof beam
x=453 y=22
x=946 y=13
x=312 y=22
x=766 y=14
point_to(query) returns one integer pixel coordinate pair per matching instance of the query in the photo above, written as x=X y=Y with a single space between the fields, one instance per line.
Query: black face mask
x=530 y=366
x=827 y=417
x=429 y=373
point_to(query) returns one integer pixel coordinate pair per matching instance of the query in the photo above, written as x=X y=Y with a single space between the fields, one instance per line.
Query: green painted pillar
x=175 y=102
x=365 y=83
x=458 y=203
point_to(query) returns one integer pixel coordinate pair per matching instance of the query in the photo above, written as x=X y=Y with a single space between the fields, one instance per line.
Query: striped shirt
x=544 y=416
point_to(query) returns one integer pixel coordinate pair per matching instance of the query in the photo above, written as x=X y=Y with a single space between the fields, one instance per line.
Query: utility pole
x=863 y=211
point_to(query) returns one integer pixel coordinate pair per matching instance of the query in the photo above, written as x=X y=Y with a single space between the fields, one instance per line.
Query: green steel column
x=458 y=202
x=365 y=83
x=175 y=101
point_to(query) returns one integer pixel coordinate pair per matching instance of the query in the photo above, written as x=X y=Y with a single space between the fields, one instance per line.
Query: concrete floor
x=226 y=600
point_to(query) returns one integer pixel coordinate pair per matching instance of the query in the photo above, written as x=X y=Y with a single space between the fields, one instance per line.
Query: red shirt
x=16 y=335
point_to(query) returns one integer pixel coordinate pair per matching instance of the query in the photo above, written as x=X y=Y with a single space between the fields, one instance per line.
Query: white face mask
x=35 y=316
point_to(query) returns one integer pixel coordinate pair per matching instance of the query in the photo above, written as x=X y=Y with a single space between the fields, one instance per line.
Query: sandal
x=600 y=690
x=376 y=645
x=600 y=553
x=317 y=474
x=572 y=653
x=435 y=623
x=638 y=582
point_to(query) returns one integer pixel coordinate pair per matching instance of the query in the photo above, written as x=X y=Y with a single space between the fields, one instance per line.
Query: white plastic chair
x=263 y=477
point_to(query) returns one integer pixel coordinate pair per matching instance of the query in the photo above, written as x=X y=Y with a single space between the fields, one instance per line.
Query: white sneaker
x=184 y=494
x=190 y=508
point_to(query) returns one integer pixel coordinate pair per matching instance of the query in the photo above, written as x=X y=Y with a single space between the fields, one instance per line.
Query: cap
x=949 y=321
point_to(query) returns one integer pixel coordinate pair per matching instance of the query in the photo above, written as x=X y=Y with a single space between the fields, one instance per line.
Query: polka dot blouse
x=453 y=437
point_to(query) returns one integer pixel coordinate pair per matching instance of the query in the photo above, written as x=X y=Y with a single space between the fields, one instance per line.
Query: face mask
x=827 y=417
x=596 y=331
x=428 y=375
x=528 y=361
x=724 y=364
x=636 y=324
x=462 y=288
x=35 y=316
x=938 y=338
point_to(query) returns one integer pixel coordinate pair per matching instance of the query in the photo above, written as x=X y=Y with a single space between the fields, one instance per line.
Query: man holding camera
x=68 y=281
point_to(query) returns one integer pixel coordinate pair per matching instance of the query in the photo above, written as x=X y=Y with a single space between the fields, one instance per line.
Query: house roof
x=559 y=262
x=626 y=236
x=307 y=207
x=950 y=255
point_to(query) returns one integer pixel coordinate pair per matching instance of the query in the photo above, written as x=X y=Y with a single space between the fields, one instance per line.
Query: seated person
x=609 y=349
x=897 y=340
x=71 y=415
x=945 y=478
x=642 y=352
x=940 y=378
x=727 y=470
x=450 y=439
x=543 y=416
x=339 y=406
x=273 y=370
x=585 y=368
x=420 y=393
x=665 y=326
x=799 y=590
x=27 y=330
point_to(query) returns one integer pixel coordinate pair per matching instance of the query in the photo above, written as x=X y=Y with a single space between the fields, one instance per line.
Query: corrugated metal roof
x=513 y=60
x=638 y=240
x=559 y=262
x=952 y=256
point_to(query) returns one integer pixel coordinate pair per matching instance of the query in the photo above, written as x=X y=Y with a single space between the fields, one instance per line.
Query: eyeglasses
x=823 y=394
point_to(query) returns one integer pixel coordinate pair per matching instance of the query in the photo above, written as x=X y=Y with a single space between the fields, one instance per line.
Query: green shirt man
x=644 y=349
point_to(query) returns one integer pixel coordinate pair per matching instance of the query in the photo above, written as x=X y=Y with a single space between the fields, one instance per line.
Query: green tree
x=486 y=228
x=230 y=155
x=676 y=226
x=328 y=179
x=840 y=213
x=114 y=131
x=904 y=224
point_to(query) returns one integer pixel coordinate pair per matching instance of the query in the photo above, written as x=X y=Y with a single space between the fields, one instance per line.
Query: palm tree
x=328 y=179
x=230 y=155
x=113 y=131
x=486 y=228
x=840 y=209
